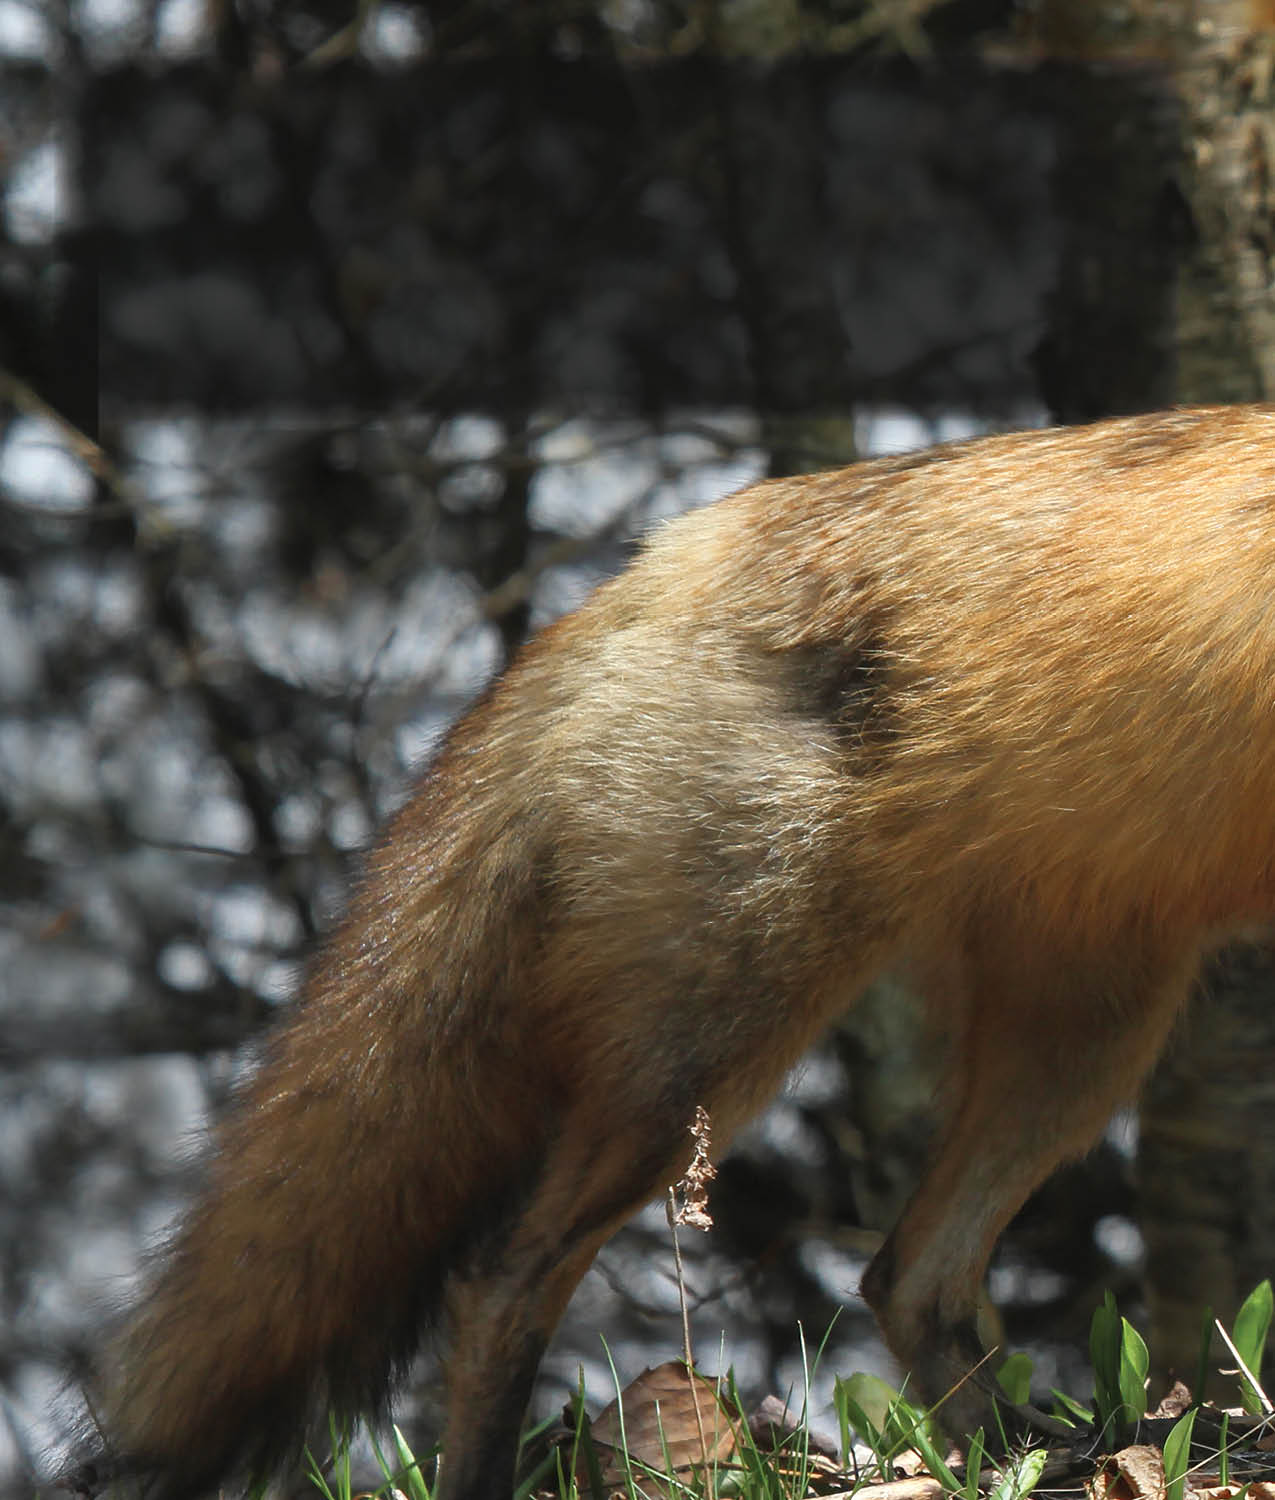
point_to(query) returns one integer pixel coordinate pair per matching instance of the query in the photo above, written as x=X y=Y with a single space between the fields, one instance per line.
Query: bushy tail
x=360 y=1166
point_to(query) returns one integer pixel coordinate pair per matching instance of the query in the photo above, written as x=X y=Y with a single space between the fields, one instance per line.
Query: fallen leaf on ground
x=1135 y=1473
x=654 y=1418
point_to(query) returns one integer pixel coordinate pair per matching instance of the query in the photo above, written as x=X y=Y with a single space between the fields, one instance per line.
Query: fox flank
x=1003 y=711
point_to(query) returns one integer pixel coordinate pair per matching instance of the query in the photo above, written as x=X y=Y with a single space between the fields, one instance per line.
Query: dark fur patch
x=849 y=685
x=961 y=1336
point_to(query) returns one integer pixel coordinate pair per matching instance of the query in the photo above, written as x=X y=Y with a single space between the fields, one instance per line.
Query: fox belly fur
x=1004 y=710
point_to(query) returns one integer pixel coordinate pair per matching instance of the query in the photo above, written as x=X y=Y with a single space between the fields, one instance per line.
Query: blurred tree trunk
x=1109 y=346
x=1206 y=1164
x=1223 y=57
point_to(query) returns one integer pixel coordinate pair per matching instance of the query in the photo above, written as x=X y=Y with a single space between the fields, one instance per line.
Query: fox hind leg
x=1051 y=1047
x=505 y=1306
x=622 y=1137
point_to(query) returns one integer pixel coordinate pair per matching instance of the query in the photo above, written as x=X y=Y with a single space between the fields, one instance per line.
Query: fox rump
x=1003 y=712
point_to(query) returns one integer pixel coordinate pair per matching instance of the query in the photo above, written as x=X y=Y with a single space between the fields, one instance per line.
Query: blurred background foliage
x=343 y=344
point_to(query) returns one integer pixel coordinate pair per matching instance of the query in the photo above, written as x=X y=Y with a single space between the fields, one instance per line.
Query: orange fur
x=1004 y=710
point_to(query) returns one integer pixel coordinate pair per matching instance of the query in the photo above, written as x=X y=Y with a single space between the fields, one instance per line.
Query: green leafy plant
x=1252 y=1324
x=883 y=1419
x=880 y=1415
x=1204 y=1363
x=1067 y=1409
x=1015 y=1378
x=1121 y=1363
x=1020 y=1476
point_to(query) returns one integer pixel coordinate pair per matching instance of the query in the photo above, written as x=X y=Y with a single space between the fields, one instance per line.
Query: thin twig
x=1244 y=1370
x=671 y=1210
x=91 y=454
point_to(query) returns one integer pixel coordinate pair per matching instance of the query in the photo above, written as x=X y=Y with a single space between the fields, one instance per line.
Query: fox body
x=1003 y=711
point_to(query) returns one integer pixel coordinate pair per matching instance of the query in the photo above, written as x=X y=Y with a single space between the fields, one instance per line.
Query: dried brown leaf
x=661 y=1425
x=1175 y=1401
x=690 y=1197
x=773 y=1422
x=1135 y=1473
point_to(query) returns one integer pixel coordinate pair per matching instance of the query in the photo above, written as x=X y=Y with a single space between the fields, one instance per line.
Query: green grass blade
x=316 y=1476
x=844 y=1422
x=1177 y=1456
x=1068 y=1409
x=411 y=1475
x=868 y=1402
x=973 y=1466
x=583 y=1446
x=937 y=1465
x=1224 y=1451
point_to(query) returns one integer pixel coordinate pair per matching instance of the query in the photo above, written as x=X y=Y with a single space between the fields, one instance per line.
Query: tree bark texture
x=1223 y=57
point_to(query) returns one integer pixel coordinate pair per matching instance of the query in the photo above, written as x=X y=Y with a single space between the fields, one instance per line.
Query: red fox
x=1002 y=712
